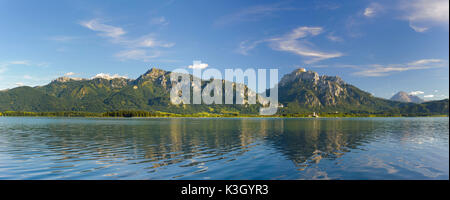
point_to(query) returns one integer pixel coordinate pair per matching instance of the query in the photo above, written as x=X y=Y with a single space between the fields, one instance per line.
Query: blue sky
x=379 y=46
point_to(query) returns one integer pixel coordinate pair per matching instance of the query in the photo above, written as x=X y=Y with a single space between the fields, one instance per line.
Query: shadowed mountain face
x=299 y=92
x=405 y=97
x=439 y=107
x=304 y=90
x=150 y=92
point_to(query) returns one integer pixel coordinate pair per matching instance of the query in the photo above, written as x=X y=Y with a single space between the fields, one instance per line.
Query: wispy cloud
x=17 y=80
x=418 y=28
x=4 y=65
x=137 y=54
x=246 y=46
x=294 y=42
x=425 y=61
x=424 y=14
x=62 y=38
x=136 y=48
x=291 y=43
x=376 y=70
x=420 y=14
x=19 y=62
x=104 y=29
x=372 y=10
x=354 y=22
x=385 y=70
x=416 y=93
x=428 y=96
x=334 y=38
x=146 y=41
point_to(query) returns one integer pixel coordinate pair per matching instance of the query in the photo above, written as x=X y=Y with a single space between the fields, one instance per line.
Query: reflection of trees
x=160 y=142
x=310 y=140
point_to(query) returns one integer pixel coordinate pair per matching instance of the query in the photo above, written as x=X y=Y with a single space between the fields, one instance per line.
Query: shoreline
x=160 y=114
x=249 y=117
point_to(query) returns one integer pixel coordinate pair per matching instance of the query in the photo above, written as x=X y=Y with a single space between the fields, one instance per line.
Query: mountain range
x=299 y=92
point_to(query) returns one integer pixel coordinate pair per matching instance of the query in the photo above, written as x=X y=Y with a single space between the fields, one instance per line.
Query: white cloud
x=424 y=14
x=4 y=66
x=294 y=42
x=20 y=62
x=69 y=74
x=117 y=34
x=147 y=41
x=19 y=84
x=372 y=10
x=137 y=54
x=136 y=48
x=417 y=28
x=108 y=76
x=369 y=12
x=435 y=10
x=198 y=65
x=428 y=96
x=385 y=70
x=334 y=38
x=425 y=61
x=106 y=30
x=416 y=93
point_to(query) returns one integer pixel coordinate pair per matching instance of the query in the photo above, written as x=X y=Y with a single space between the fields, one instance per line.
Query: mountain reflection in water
x=241 y=148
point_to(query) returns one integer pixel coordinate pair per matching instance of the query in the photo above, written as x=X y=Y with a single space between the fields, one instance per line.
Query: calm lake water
x=187 y=148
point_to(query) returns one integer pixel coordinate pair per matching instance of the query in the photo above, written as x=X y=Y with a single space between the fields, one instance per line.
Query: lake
x=224 y=148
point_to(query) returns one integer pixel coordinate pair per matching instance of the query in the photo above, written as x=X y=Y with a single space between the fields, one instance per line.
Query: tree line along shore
x=132 y=113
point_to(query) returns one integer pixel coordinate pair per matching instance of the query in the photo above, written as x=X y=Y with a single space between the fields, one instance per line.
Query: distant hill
x=439 y=107
x=299 y=92
x=405 y=97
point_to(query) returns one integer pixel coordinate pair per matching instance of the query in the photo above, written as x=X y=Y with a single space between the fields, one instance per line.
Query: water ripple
x=363 y=148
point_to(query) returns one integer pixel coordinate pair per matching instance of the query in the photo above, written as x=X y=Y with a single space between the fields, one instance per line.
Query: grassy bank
x=202 y=114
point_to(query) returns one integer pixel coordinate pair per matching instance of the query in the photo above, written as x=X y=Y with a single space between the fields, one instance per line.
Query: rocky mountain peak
x=405 y=97
x=154 y=73
x=301 y=74
x=312 y=89
x=67 y=79
x=299 y=70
